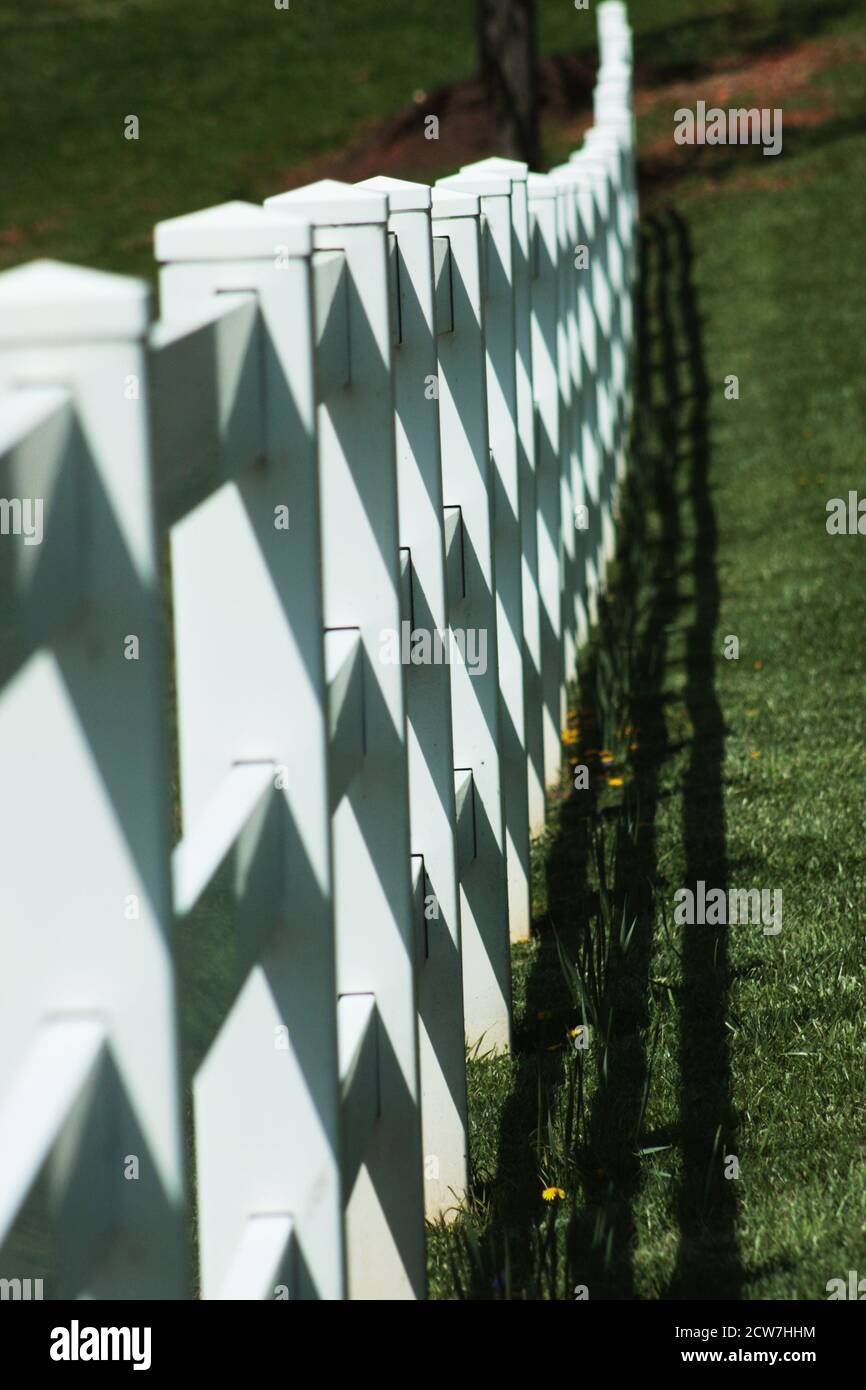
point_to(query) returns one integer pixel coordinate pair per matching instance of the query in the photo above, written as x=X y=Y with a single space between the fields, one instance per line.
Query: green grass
x=228 y=96
x=708 y=1042
x=232 y=97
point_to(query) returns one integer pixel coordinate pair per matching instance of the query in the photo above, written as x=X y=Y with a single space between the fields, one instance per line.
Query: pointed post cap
x=330 y=203
x=515 y=169
x=52 y=302
x=448 y=202
x=571 y=173
x=541 y=186
x=486 y=185
x=403 y=195
x=235 y=231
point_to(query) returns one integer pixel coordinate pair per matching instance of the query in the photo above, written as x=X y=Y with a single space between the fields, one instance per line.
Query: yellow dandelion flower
x=550 y=1194
x=570 y=735
x=754 y=754
x=614 y=781
x=633 y=747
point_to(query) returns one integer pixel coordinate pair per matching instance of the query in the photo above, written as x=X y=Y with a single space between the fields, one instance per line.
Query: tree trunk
x=506 y=53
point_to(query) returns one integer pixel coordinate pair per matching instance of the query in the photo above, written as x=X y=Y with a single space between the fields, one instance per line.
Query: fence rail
x=368 y=460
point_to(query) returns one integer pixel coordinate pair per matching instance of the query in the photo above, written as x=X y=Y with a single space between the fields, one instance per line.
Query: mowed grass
x=232 y=97
x=228 y=96
x=708 y=1044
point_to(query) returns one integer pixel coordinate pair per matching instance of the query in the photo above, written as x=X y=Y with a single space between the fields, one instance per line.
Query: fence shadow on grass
x=660 y=571
x=707 y=1262
x=634 y=619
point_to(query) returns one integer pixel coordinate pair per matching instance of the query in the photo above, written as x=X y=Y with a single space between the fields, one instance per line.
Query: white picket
x=495 y=193
x=518 y=172
x=432 y=812
x=85 y=895
x=467 y=489
x=580 y=448
x=545 y=347
x=376 y=927
x=248 y=628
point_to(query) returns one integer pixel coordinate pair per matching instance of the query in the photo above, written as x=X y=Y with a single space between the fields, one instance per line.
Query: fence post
x=518 y=172
x=596 y=328
x=432 y=810
x=468 y=490
x=600 y=158
x=545 y=270
x=377 y=921
x=246 y=568
x=587 y=205
x=581 y=467
x=614 y=131
x=566 y=347
x=89 y=1075
x=612 y=104
x=495 y=193
x=613 y=141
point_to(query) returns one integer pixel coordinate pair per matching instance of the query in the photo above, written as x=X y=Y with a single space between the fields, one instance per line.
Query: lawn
x=708 y=1044
x=231 y=98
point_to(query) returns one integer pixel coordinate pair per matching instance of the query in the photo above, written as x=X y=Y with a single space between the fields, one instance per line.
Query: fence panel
x=432 y=648
x=548 y=514
x=90 y=1113
x=495 y=193
x=382 y=429
x=468 y=490
x=518 y=173
x=376 y=926
x=253 y=721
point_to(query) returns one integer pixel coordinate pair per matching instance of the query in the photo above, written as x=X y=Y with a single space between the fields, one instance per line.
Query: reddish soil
x=770 y=78
x=782 y=78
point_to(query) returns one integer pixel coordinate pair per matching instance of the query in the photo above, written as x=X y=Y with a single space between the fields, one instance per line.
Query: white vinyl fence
x=368 y=460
